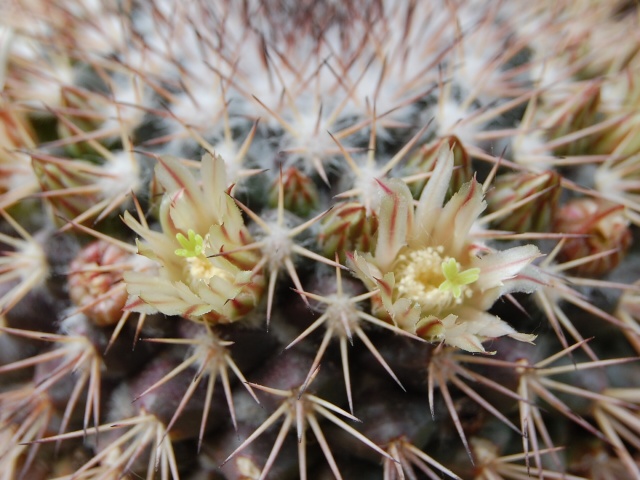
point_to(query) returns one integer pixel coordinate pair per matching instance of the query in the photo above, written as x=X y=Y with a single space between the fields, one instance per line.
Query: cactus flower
x=434 y=280
x=198 y=223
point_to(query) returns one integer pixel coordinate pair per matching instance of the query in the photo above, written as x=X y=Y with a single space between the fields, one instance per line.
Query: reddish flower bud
x=606 y=228
x=93 y=281
x=535 y=215
x=300 y=193
x=347 y=228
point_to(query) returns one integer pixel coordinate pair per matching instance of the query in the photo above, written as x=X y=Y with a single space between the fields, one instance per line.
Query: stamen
x=433 y=281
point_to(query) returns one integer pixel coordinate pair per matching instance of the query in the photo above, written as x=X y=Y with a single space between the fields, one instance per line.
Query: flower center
x=433 y=281
x=199 y=267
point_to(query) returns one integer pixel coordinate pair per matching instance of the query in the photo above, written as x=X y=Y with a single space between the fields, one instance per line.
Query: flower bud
x=606 y=228
x=300 y=193
x=92 y=282
x=57 y=174
x=534 y=216
x=572 y=114
x=347 y=228
x=621 y=138
x=72 y=101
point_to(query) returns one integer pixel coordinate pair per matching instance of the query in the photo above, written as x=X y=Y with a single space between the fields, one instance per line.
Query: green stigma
x=192 y=246
x=455 y=279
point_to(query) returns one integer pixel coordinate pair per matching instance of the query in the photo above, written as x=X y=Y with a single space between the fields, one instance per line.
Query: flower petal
x=170 y=298
x=497 y=267
x=456 y=219
x=462 y=334
x=214 y=181
x=472 y=327
x=394 y=222
x=433 y=195
x=364 y=269
x=189 y=209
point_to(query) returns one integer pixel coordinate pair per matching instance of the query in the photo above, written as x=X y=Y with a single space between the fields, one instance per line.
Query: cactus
x=318 y=239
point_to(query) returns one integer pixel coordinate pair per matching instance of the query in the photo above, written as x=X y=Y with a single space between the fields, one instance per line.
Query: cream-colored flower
x=198 y=223
x=434 y=281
